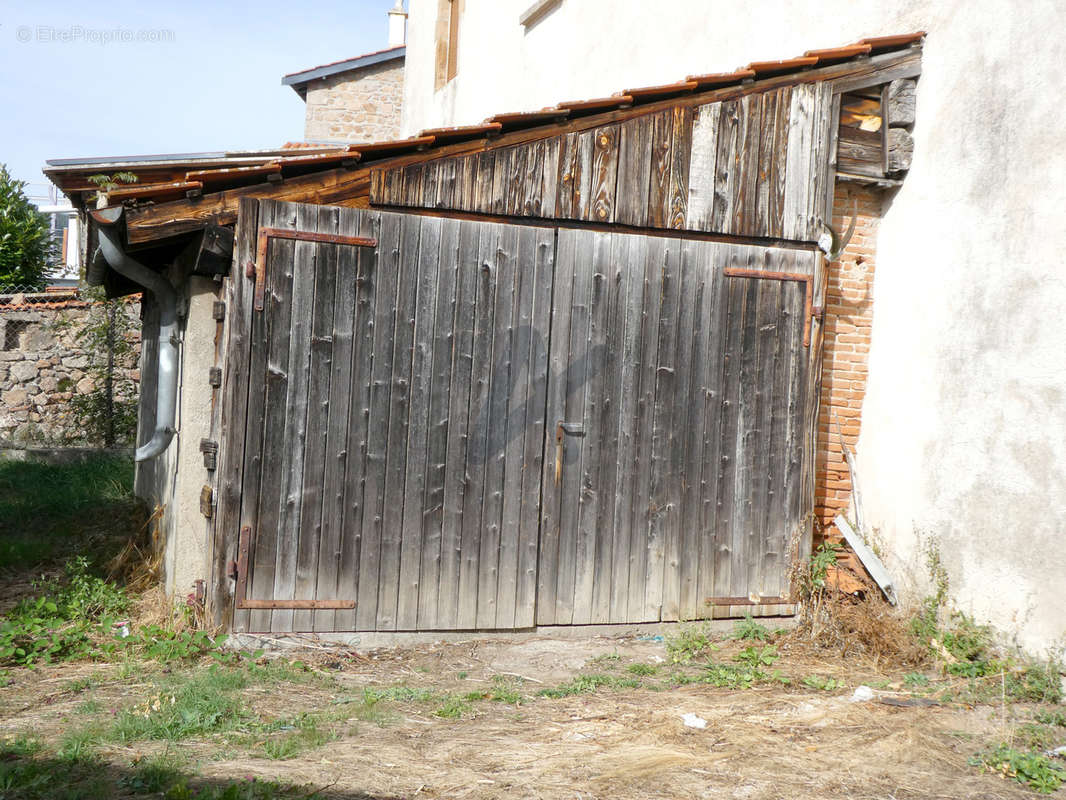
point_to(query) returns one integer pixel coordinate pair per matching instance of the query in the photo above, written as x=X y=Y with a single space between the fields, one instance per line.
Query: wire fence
x=68 y=367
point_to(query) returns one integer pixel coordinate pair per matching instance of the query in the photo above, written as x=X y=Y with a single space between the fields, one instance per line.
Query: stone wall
x=361 y=105
x=43 y=366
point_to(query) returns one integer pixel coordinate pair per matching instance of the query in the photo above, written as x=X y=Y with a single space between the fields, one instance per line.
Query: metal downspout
x=167 y=338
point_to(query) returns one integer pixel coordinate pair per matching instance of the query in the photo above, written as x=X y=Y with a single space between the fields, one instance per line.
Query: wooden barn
x=559 y=368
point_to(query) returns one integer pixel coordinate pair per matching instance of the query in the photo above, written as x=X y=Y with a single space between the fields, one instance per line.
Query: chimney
x=397 y=25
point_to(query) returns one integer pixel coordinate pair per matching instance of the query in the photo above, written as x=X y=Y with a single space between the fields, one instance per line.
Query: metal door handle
x=564 y=429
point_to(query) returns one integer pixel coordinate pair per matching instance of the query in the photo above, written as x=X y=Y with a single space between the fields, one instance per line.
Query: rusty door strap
x=808 y=280
x=244 y=543
x=257 y=269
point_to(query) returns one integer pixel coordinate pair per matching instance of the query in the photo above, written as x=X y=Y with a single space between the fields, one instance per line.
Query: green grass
x=748 y=629
x=690 y=641
x=49 y=512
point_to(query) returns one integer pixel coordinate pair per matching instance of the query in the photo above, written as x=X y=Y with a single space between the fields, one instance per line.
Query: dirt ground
x=768 y=741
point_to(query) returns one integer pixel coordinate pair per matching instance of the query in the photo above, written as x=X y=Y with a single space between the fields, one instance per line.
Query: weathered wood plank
x=536 y=443
x=630 y=263
x=532 y=182
x=377 y=412
x=350 y=568
x=659 y=191
x=550 y=179
x=576 y=371
x=661 y=519
x=295 y=425
x=593 y=557
x=568 y=176
x=443 y=340
x=320 y=371
x=477 y=435
x=680 y=153
x=501 y=180
x=746 y=164
x=513 y=424
x=396 y=452
x=725 y=168
x=551 y=553
x=798 y=168
x=456 y=483
x=767 y=333
x=413 y=546
x=643 y=604
x=235 y=403
x=682 y=545
x=702 y=156
x=790 y=320
x=582 y=183
x=902 y=102
x=746 y=437
x=779 y=168
x=604 y=174
x=331 y=550
x=634 y=172
x=732 y=330
x=495 y=420
x=615 y=270
x=486 y=179
x=759 y=219
x=516 y=189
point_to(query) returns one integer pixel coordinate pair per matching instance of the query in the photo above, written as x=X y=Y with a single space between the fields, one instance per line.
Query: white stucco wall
x=964 y=424
x=173 y=480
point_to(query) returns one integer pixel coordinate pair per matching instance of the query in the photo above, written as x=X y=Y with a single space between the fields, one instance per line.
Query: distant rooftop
x=299 y=80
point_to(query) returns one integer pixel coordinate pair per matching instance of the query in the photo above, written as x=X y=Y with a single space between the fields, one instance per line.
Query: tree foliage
x=25 y=240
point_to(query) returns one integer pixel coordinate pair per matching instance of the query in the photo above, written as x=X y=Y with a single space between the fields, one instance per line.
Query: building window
x=449 y=14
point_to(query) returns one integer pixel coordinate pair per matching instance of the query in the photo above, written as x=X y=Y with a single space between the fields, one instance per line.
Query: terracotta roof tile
x=526 y=119
x=393 y=147
x=882 y=43
x=832 y=55
x=648 y=93
x=309 y=156
x=762 y=68
x=714 y=79
x=460 y=132
x=576 y=107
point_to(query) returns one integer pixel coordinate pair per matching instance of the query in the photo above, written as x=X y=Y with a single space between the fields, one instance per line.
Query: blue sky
x=215 y=85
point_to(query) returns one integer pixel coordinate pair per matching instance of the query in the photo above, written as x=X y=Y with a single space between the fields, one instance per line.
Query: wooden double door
x=454 y=425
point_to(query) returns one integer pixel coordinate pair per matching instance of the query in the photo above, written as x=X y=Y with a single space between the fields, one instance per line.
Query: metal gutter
x=167 y=339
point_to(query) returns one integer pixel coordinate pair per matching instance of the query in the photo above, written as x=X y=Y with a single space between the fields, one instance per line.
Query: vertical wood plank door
x=394 y=386
x=675 y=411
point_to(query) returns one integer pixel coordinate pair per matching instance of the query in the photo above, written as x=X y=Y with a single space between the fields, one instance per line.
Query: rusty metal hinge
x=239 y=572
x=257 y=269
x=214 y=376
x=209 y=448
x=207 y=501
x=218 y=310
x=807 y=280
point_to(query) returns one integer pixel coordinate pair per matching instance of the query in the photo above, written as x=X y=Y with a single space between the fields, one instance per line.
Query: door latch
x=564 y=429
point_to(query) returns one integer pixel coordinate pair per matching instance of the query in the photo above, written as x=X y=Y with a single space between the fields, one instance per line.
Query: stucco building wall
x=171 y=483
x=964 y=413
x=360 y=105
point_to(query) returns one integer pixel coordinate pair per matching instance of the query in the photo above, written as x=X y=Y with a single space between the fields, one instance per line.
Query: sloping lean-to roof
x=341 y=174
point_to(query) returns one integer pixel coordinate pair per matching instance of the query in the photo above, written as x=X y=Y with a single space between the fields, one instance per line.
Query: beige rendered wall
x=964 y=417
x=357 y=106
x=172 y=482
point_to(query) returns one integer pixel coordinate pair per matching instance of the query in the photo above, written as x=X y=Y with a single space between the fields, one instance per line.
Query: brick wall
x=357 y=106
x=848 y=320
